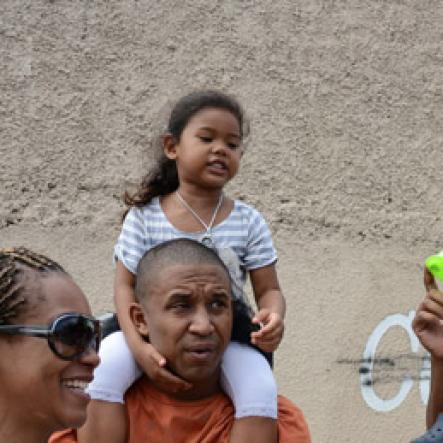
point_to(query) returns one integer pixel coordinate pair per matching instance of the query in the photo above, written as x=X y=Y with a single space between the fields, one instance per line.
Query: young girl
x=182 y=196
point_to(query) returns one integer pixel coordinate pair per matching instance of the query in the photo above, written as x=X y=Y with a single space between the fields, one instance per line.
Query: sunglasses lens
x=73 y=335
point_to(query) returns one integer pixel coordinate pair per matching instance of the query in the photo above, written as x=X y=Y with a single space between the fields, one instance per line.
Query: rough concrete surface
x=345 y=160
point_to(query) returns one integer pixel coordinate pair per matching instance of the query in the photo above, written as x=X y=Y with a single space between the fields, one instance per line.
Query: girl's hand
x=269 y=336
x=154 y=365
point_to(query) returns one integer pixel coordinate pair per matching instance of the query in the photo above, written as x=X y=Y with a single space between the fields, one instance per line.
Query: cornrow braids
x=12 y=296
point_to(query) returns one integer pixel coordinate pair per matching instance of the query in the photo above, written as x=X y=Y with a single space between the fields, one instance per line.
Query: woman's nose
x=90 y=358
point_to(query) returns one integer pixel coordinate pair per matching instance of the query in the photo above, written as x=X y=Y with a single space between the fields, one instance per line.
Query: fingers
x=171 y=382
x=269 y=332
x=261 y=317
x=268 y=346
x=429 y=313
x=154 y=365
x=269 y=337
x=425 y=321
x=271 y=341
x=433 y=303
x=429 y=331
x=270 y=322
x=156 y=356
x=429 y=281
x=262 y=332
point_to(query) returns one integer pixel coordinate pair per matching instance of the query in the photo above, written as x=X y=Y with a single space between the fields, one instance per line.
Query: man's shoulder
x=212 y=416
x=292 y=425
x=214 y=420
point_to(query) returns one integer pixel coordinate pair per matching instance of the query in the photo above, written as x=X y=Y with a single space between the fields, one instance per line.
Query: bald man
x=185 y=309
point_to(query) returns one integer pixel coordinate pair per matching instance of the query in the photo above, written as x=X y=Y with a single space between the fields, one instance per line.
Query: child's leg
x=116 y=372
x=248 y=380
x=106 y=423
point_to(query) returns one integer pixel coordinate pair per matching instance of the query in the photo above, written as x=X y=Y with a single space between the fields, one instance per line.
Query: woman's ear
x=170 y=146
x=138 y=319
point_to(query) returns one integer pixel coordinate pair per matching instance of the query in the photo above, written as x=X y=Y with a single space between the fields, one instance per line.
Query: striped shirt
x=243 y=237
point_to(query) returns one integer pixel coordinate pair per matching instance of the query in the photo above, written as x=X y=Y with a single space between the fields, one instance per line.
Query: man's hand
x=154 y=366
x=269 y=336
x=428 y=321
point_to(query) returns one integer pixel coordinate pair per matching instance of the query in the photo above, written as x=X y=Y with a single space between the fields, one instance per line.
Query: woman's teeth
x=75 y=384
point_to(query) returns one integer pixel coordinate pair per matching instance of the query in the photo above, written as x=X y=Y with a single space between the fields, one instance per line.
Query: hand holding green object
x=434 y=263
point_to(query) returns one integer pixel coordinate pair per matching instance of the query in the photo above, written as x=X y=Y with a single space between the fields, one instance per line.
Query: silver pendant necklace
x=207 y=237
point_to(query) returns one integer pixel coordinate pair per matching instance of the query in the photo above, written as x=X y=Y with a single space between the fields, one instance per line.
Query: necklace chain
x=196 y=216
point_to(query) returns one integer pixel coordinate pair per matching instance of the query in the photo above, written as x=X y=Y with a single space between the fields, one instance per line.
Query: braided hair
x=13 y=264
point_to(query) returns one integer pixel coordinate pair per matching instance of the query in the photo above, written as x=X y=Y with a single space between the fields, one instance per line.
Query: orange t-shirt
x=156 y=418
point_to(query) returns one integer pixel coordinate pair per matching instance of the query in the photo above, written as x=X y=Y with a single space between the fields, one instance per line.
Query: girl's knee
x=116 y=372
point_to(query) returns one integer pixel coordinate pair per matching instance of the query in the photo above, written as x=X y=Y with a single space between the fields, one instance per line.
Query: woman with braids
x=48 y=348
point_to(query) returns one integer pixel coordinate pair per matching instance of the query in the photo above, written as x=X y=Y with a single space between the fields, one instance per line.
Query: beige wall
x=345 y=161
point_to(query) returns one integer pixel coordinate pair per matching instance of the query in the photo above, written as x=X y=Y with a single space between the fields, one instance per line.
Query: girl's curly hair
x=162 y=179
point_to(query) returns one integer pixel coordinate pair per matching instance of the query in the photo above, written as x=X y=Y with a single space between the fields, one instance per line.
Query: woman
x=48 y=348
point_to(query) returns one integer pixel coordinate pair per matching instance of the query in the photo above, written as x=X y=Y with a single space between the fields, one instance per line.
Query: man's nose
x=201 y=323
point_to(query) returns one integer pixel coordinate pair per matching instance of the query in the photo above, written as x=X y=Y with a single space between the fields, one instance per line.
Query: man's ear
x=170 y=146
x=138 y=318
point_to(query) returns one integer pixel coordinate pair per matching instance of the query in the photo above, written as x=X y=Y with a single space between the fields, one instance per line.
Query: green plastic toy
x=434 y=263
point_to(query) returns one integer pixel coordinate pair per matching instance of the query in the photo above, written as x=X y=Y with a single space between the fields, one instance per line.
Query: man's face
x=188 y=318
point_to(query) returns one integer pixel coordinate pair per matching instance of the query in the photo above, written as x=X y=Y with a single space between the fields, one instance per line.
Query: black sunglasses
x=69 y=335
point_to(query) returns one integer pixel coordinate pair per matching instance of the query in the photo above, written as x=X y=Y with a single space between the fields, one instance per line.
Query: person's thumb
x=157 y=357
x=261 y=316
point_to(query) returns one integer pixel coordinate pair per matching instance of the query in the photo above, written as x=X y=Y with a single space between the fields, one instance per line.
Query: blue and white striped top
x=244 y=231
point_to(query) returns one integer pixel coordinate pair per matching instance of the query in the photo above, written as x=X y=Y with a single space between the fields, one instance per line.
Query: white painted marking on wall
x=366 y=380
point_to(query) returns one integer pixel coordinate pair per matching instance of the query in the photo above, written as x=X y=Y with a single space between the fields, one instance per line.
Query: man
x=186 y=311
x=428 y=326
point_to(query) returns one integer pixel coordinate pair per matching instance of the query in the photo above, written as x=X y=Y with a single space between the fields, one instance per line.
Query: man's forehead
x=191 y=273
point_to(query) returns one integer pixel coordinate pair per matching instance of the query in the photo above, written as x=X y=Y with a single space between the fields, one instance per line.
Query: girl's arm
x=271 y=308
x=150 y=361
x=271 y=304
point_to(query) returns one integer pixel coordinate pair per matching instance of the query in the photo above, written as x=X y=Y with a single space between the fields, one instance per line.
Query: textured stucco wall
x=345 y=159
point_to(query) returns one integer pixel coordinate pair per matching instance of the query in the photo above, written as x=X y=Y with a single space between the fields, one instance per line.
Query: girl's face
x=36 y=385
x=209 y=150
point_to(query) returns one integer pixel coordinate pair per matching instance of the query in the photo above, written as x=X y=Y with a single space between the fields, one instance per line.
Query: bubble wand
x=434 y=263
